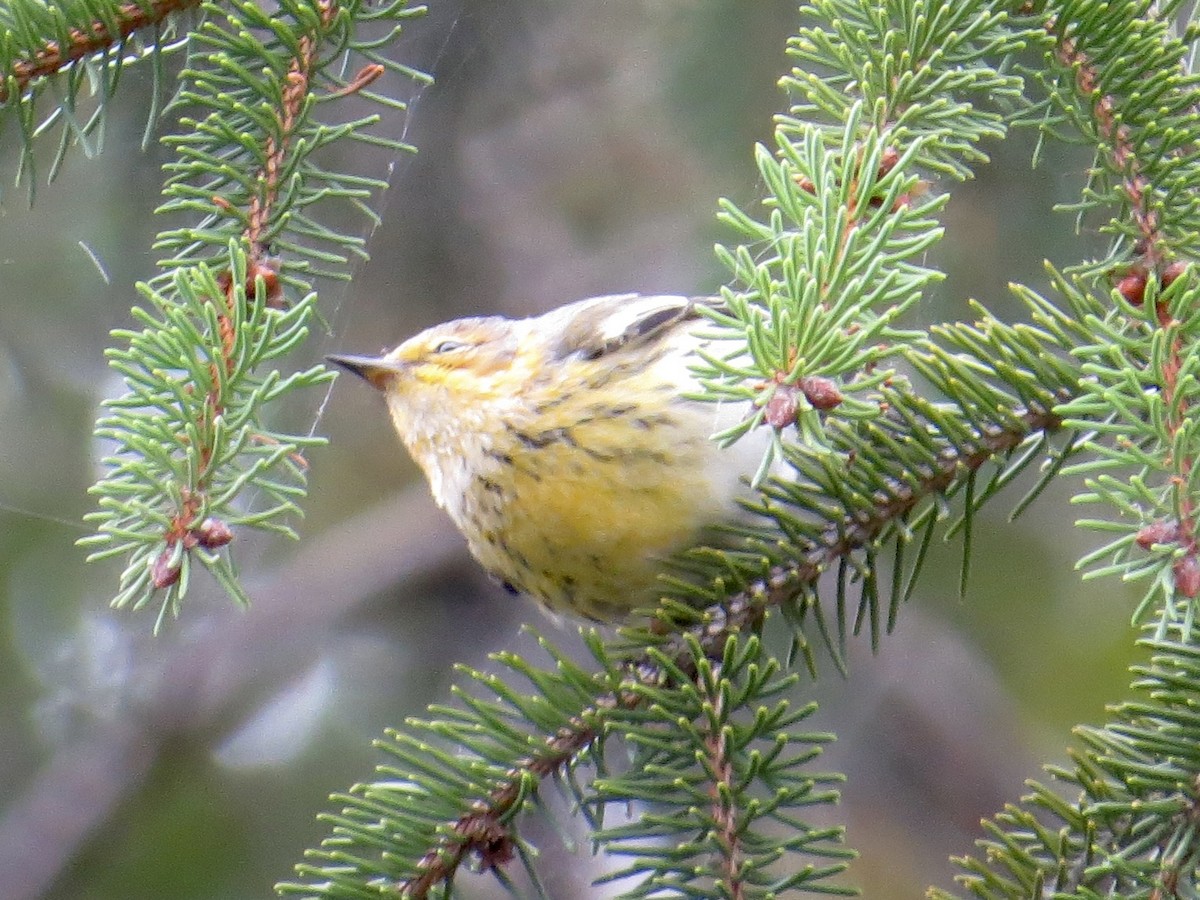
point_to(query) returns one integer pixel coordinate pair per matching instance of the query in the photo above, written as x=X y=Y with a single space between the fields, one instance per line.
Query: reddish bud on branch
x=266 y=268
x=821 y=392
x=489 y=839
x=1133 y=287
x=1162 y=532
x=805 y=184
x=165 y=571
x=782 y=408
x=1187 y=575
x=213 y=533
x=888 y=160
x=1172 y=272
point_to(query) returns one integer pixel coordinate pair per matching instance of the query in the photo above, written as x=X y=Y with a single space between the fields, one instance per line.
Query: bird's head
x=447 y=373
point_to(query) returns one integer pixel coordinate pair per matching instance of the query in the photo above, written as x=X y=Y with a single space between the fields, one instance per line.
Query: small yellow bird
x=564 y=446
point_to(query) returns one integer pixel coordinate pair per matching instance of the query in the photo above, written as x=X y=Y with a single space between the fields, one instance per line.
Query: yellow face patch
x=459 y=355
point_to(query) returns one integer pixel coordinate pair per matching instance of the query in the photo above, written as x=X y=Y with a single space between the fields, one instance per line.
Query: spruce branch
x=1119 y=77
x=85 y=36
x=428 y=833
x=1129 y=830
x=250 y=169
x=484 y=832
x=194 y=447
x=578 y=712
x=1138 y=371
x=79 y=48
x=722 y=773
x=724 y=811
x=169 y=509
x=930 y=75
x=886 y=513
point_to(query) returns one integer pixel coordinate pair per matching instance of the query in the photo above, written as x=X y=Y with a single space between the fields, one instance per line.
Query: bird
x=569 y=448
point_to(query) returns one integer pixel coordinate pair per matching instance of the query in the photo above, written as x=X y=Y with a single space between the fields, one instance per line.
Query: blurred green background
x=566 y=150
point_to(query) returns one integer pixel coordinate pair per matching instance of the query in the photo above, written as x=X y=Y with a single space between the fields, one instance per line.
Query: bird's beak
x=376 y=370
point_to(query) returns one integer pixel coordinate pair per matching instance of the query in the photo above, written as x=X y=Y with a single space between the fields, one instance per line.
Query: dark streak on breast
x=546 y=438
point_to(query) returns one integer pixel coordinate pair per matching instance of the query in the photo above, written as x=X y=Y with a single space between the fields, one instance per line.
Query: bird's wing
x=604 y=325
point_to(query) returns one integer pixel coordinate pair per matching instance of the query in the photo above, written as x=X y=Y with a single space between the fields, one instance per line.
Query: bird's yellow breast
x=582 y=514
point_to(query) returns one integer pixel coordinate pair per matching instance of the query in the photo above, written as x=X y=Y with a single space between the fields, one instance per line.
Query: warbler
x=564 y=446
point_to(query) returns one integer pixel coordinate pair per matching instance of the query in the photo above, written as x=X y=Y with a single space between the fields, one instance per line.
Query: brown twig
x=1121 y=152
x=723 y=811
x=481 y=831
x=295 y=92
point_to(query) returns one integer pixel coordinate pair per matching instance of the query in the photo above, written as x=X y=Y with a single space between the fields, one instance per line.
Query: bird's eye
x=448 y=346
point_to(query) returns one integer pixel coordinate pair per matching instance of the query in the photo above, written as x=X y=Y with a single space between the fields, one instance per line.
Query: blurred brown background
x=566 y=150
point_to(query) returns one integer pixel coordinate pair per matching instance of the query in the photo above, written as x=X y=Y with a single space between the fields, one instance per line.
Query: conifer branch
x=82 y=41
x=295 y=92
x=76 y=50
x=1152 y=320
x=484 y=832
x=237 y=291
x=724 y=792
x=1118 y=75
x=1152 y=260
x=260 y=274
x=857 y=530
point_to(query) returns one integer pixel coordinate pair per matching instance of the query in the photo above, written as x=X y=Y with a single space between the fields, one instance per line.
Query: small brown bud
x=821 y=392
x=490 y=840
x=888 y=160
x=806 y=184
x=906 y=200
x=1133 y=287
x=165 y=571
x=782 y=407
x=1161 y=532
x=1171 y=272
x=1187 y=575
x=266 y=268
x=213 y=533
